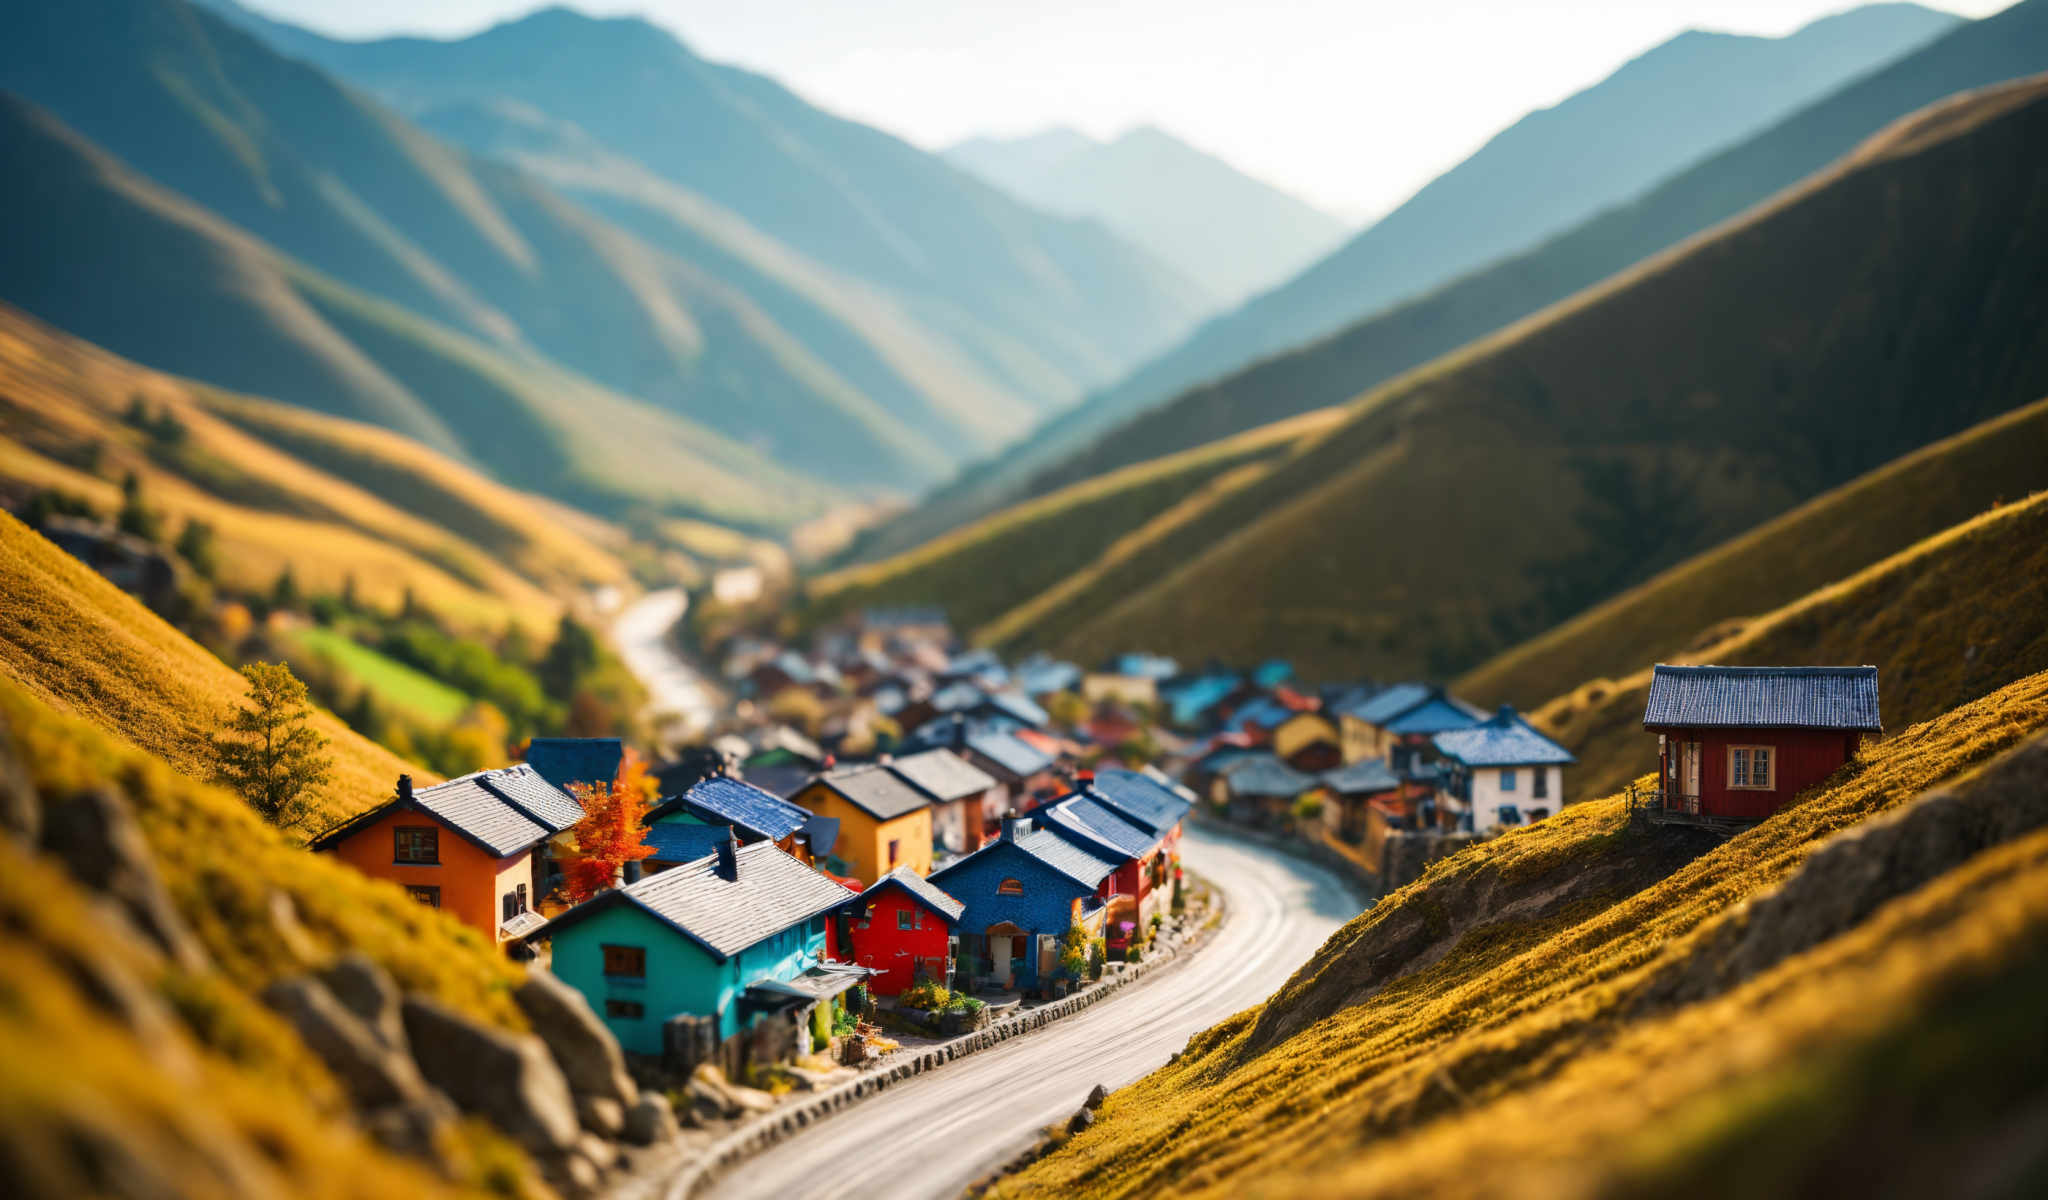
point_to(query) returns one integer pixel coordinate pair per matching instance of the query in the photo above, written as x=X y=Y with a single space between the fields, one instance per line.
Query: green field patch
x=413 y=692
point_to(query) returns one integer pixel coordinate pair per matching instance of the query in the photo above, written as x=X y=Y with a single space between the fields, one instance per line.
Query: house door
x=1689 y=776
x=999 y=959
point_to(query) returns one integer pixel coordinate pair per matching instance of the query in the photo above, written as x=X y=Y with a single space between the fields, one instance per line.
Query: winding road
x=640 y=632
x=933 y=1134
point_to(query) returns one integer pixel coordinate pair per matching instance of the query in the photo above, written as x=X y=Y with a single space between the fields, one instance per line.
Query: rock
x=1097 y=1095
x=413 y=1129
x=584 y=1049
x=574 y=1176
x=365 y=989
x=651 y=1121
x=733 y=1098
x=374 y=1075
x=284 y=918
x=598 y=1151
x=507 y=1079
x=96 y=838
x=21 y=809
x=1082 y=1119
x=601 y=1116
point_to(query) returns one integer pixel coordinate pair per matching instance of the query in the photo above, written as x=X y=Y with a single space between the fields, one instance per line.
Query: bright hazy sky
x=1351 y=104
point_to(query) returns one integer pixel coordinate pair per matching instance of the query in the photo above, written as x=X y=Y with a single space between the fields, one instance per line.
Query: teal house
x=722 y=955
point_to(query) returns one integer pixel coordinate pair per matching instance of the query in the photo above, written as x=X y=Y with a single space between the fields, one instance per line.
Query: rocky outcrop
x=96 y=838
x=363 y=987
x=383 y=1084
x=582 y=1047
x=651 y=1121
x=507 y=1079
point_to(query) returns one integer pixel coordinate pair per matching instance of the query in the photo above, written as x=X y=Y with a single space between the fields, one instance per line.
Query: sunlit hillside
x=1590 y=1007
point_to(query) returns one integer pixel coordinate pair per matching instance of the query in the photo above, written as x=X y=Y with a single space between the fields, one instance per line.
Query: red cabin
x=1735 y=744
x=903 y=928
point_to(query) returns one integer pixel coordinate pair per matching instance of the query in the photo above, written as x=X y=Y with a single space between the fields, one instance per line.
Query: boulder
x=584 y=1049
x=507 y=1079
x=365 y=989
x=601 y=1116
x=372 y=1073
x=651 y=1121
x=96 y=838
x=1096 y=1095
x=1082 y=1119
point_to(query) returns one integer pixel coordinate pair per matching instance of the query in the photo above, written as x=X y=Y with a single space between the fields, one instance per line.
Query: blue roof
x=1436 y=716
x=681 y=842
x=1141 y=798
x=1097 y=826
x=1842 y=698
x=563 y=761
x=1504 y=740
x=1362 y=778
x=1198 y=696
x=1144 y=666
x=957 y=697
x=1273 y=672
x=1041 y=676
x=1009 y=751
x=1263 y=713
x=1222 y=757
x=1061 y=855
x=721 y=800
x=1390 y=702
x=1017 y=705
x=770 y=892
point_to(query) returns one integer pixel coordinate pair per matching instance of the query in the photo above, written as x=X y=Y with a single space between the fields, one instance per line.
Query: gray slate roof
x=524 y=787
x=773 y=892
x=1141 y=798
x=1086 y=816
x=1503 y=740
x=920 y=887
x=943 y=775
x=1063 y=856
x=1362 y=778
x=469 y=806
x=875 y=790
x=1266 y=775
x=1842 y=698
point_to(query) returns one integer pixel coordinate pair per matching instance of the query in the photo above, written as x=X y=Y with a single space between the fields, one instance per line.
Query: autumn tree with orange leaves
x=596 y=849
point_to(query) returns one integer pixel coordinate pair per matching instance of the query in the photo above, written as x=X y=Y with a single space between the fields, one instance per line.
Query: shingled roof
x=528 y=789
x=1843 y=698
x=722 y=800
x=942 y=774
x=1503 y=740
x=1361 y=778
x=1097 y=825
x=1141 y=798
x=771 y=892
x=875 y=790
x=478 y=809
x=919 y=887
x=565 y=761
x=1266 y=775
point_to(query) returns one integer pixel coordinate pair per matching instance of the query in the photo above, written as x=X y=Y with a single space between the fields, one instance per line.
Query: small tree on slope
x=610 y=834
x=269 y=751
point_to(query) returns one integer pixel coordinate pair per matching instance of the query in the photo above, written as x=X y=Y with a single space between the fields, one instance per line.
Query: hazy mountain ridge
x=1227 y=230
x=1691 y=82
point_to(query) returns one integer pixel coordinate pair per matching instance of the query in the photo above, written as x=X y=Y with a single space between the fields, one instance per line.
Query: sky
x=1349 y=104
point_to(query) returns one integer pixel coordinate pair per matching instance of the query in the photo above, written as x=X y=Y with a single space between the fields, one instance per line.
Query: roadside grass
x=1419 y=1085
x=1946 y=620
x=410 y=691
x=84 y=647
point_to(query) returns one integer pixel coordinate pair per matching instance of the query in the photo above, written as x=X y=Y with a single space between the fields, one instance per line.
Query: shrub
x=1072 y=964
x=1308 y=807
x=964 y=1003
x=1134 y=954
x=1098 y=956
x=926 y=996
x=1157 y=920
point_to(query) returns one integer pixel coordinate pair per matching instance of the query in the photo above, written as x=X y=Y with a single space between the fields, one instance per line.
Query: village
x=894 y=842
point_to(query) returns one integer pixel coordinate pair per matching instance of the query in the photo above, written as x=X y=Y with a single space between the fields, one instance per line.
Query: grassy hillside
x=1465 y=507
x=1443 y=270
x=82 y=646
x=312 y=342
x=1044 y=306
x=1588 y=967
x=386 y=513
x=1834 y=535
x=1947 y=620
x=993 y=575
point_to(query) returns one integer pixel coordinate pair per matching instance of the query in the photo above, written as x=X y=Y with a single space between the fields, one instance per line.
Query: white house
x=1501 y=773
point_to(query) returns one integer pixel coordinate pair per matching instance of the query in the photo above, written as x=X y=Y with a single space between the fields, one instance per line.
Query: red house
x=903 y=927
x=1735 y=744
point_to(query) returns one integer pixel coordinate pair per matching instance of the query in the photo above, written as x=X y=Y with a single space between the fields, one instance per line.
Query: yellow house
x=1308 y=741
x=884 y=823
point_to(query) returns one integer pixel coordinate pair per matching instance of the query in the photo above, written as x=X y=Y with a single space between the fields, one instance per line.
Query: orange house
x=471 y=846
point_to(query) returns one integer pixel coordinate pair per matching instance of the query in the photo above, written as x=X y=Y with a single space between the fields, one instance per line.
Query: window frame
x=632 y=961
x=895 y=852
x=1507 y=779
x=1770 y=761
x=399 y=843
x=904 y=920
x=615 y=1010
x=1539 y=783
x=428 y=894
x=1010 y=886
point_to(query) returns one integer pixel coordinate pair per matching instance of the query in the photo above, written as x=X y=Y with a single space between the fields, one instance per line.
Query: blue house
x=733 y=942
x=689 y=824
x=1020 y=894
x=569 y=761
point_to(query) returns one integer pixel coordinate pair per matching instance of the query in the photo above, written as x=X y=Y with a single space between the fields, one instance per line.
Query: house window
x=1010 y=887
x=429 y=896
x=626 y=962
x=515 y=902
x=903 y=918
x=1539 y=782
x=1507 y=779
x=895 y=851
x=1752 y=768
x=629 y=1010
x=419 y=845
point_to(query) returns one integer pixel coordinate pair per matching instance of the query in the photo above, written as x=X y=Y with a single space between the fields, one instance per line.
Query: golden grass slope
x=81 y=645
x=1529 y=1059
x=1829 y=537
x=1945 y=621
x=330 y=498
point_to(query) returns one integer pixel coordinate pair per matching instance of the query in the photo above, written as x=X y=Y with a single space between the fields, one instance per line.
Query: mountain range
x=1220 y=227
x=1685 y=99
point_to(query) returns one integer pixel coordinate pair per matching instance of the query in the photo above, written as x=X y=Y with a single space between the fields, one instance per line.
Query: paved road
x=673 y=686
x=931 y=1135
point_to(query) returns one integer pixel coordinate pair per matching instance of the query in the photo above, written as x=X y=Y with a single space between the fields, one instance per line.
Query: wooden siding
x=1804 y=758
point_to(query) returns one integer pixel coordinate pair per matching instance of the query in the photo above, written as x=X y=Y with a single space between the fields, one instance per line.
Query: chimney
x=1013 y=825
x=1506 y=715
x=831 y=761
x=1084 y=779
x=729 y=857
x=405 y=788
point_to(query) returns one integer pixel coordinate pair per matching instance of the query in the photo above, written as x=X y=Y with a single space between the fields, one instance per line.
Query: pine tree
x=573 y=655
x=610 y=835
x=284 y=594
x=269 y=751
x=136 y=517
x=196 y=547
